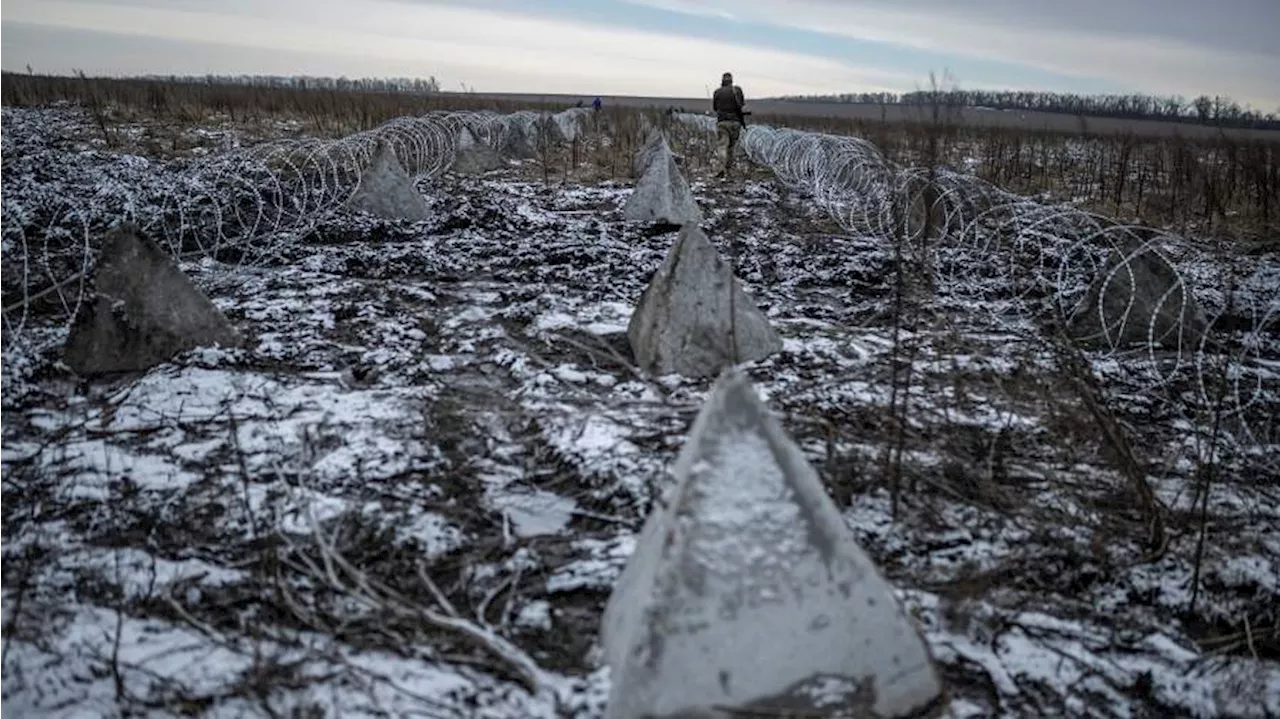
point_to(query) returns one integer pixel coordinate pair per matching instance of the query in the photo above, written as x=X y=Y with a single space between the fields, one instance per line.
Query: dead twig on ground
x=342 y=577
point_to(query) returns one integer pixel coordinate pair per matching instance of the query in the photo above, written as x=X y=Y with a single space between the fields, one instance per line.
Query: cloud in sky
x=672 y=47
x=489 y=49
x=1170 y=47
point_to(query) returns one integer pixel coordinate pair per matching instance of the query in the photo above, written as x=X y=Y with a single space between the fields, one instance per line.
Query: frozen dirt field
x=444 y=417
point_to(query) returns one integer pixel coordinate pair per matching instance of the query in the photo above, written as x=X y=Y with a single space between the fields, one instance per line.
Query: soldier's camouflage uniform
x=727 y=102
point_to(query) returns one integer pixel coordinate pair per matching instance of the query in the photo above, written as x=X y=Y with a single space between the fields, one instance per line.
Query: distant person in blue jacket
x=597 y=104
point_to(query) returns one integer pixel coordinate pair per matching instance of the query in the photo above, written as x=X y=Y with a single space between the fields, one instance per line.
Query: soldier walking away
x=727 y=102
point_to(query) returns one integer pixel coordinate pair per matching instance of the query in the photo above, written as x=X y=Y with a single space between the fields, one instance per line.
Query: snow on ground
x=455 y=401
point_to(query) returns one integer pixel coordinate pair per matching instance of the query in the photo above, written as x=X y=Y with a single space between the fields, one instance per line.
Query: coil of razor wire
x=259 y=199
x=1031 y=264
x=244 y=206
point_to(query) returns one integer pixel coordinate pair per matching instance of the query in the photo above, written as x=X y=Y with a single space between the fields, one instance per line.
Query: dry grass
x=1225 y=186
x=322 y=112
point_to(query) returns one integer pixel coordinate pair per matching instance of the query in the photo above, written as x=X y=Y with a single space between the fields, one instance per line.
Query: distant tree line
x=1217 y=110
x=412 y=85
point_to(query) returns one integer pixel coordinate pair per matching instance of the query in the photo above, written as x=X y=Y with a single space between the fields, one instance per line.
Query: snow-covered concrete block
x=1139 y=298
x=694 y=317
x=662 y=195
x=143 y=310
x=387 y=191
x=747 y=591
x=473 y=157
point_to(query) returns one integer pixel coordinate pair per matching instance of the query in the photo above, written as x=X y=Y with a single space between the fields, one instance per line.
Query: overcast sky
x=674 y=47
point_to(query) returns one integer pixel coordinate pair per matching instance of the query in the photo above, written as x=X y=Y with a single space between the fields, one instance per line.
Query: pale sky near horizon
x=673 y=48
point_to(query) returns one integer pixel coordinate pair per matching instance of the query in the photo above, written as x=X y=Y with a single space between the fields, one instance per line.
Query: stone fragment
x=387 y=191
x=694 y=318
x=661 y=195
x=1138 y=298
x=748 y=595
x=143 y=310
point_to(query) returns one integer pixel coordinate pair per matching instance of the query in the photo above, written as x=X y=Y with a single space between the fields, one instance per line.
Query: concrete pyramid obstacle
x=924 y=210
x=647 y=127
x=569 y=123
x=650 y=149
x=748 y=595
x=548 y=129
x=661 y=194
x=387 y=191
x=1138 y=298
x=143 y=311
x=694 y=318
x=473 y=157
x=521 y=137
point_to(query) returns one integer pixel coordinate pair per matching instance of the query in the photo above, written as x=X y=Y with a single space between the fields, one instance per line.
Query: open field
x=446 y=417
x=1225 y=186
x=160 y=95
x=1027 y=121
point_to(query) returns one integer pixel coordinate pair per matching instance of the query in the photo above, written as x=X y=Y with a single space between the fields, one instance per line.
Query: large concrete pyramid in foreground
x=661 y=194
x=694 y=318
x=143 y=311
x=387 y=191
x=747 y=594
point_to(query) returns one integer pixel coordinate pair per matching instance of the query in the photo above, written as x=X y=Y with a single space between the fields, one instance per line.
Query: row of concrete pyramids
x=694 y=319
x=746 y=593
x=746 y=590
x=660 y=196
x=386 y=190
x=144 y=310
